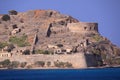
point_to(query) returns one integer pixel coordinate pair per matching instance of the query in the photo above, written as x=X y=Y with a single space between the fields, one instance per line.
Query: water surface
x=61 y=74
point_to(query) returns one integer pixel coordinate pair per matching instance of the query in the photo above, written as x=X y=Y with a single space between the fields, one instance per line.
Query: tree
x=23 y=64
x=39 y=51
x=5 y=17
x=60 y=45
x=26 y=52
x=69 y=65
x=62 y=64
x=14 y=64
x=5 y=63
x=3 y=44
x=10 y=47
x=46 y=52
x=48 y=63
x=40 y=63
x=13 y=12
x=14 y=26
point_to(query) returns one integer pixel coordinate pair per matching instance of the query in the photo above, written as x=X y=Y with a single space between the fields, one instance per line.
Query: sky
x=105 y=12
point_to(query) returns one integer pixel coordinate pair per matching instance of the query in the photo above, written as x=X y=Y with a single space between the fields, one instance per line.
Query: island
x=47 y=39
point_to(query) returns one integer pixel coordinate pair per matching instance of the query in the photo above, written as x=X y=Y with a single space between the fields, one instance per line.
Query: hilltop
x=49 y=32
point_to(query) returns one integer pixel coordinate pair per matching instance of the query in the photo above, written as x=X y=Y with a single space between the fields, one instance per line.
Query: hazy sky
x=105 y=12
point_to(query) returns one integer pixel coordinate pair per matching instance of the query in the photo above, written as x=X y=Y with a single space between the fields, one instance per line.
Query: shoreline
x=61 y=68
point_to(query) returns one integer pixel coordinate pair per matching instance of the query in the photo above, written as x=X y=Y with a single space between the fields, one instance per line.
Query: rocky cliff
x=54 y=33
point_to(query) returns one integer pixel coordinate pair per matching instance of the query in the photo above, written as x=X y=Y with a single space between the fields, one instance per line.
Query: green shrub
x=116 y=51
x=3 y=44
x=39 y=51
x=26 y=52
x=67 y=64
x=48 y=63
x=46 y=52
x=97 y=38
x=5 y=63
x=56 y=63
x=96 y=51
x=99 y=63
x=29 y=66
x=40 y=63
x=11 y=65
x=62 y=64
x=23 y=64
x=14 y=64
x=116 y=61
x=10 y=47
x=43 y=52
x=103 y=56
x=59 y=45
x=20 y=41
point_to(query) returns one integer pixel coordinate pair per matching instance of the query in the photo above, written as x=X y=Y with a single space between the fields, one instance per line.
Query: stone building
x=16 y=30
x=5 y=54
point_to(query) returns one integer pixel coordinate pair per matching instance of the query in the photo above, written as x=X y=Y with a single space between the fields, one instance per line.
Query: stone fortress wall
x=83 y=27
x=79 y=60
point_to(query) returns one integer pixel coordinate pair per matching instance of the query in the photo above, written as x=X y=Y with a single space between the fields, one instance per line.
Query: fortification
x=83 y=27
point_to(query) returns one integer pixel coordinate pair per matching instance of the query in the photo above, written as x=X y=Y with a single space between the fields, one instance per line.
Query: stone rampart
x=83 y=27
x=77 y=60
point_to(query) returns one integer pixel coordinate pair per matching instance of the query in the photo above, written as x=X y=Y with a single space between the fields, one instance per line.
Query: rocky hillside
x=49 y=31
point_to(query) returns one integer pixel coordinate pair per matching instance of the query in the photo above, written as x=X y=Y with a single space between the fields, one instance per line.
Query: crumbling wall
x=83 y=27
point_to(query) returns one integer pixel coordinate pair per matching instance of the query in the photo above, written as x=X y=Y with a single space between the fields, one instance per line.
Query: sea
x=61 y=74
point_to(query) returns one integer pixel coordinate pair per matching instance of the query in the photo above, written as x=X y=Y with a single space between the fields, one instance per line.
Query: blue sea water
x=61 y=74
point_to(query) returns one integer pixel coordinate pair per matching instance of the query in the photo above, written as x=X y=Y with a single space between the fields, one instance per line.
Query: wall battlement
x=83 y=27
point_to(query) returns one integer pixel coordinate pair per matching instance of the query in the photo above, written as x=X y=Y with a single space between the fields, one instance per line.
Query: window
x=58 y=51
